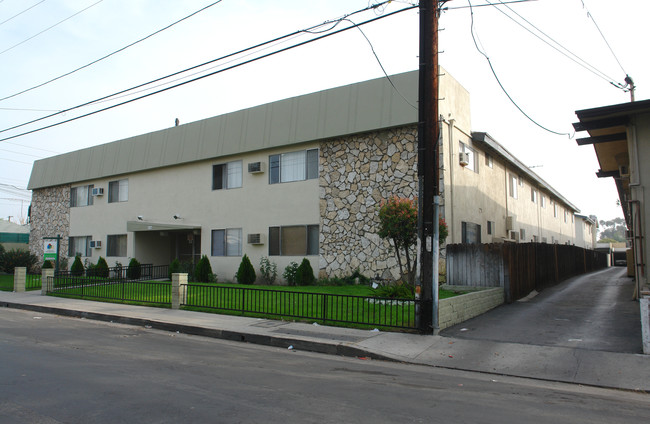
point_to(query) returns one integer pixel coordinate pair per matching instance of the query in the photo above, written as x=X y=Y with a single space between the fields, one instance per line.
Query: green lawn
x=7 y=282
x=341 y=305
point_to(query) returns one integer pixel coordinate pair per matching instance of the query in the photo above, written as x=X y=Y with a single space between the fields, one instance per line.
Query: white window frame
x=227 y=243
x=81 y=196
x=229 y=175
x=122 y=187
x=513 y=186
x=472 y=164
x=294 y=166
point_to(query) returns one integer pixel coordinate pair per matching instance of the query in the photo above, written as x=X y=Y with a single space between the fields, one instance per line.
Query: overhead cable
x=192 y=80
x=499 y=81
x=49 y=28
x=110 y=54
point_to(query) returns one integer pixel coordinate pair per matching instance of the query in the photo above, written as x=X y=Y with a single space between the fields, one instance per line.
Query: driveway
x=594 y=311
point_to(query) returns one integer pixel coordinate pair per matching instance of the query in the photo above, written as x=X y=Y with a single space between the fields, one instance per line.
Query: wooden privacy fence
x=518 y=267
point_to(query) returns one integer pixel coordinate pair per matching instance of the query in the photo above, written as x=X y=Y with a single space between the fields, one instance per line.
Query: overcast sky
x=547 y=85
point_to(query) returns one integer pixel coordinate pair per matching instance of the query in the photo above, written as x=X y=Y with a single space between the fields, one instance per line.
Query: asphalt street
x=594 y=312
x=69 y=370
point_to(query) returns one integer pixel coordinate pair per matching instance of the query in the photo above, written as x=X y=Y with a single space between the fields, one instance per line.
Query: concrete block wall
x=455 y=310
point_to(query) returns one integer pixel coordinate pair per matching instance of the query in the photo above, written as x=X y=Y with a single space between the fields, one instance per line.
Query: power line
x=590 y=16
x=275 y=40
x=30 y=147
x=499 y=81
x=572 y=56
x=186 y=82
x=49 y=28
x=24 y=154
x=20 y=13
x=110 y=54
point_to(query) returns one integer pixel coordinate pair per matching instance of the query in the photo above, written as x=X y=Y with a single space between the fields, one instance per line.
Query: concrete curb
x=335 y=348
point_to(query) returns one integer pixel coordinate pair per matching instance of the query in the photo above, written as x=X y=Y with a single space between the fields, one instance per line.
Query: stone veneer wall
x=50 y=216
x=356 y=173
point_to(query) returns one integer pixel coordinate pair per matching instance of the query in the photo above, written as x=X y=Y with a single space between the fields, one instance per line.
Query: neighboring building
x=14 y=236
x=586 y=229
x=301 y=177
x=620 y=135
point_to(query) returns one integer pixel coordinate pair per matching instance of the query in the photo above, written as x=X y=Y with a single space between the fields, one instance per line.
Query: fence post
x=179 y=284
x=20 y=275
x=45 y=274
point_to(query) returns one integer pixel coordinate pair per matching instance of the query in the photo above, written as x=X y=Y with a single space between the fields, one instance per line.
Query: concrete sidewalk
x=579 y=366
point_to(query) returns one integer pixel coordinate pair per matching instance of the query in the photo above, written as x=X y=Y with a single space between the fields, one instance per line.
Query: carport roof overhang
x=608 y=132
x=136 y=226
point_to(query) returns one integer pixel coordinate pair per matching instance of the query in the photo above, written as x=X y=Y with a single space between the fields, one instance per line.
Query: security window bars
x=227 y=175
x=118 y=191
x=227 y=242
x=294 y=166
x=81 y=196
x=116 y=245
x=296 y=240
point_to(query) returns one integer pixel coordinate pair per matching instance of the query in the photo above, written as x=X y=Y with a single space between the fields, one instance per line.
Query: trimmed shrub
x=77 y=268
x=398 y=290
x=101 y=269
x=246 y=272
x=134 y=271
x=268 y=269
x=174 y=268
x=203 y=270
x=17 y=258
x=47 y=265
x=289 y=273
x=305 y=274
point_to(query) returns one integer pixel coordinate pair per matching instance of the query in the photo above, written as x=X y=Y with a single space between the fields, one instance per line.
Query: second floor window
x=227 y=175
x=294 y=166
x=81 y=196
x=118 y=191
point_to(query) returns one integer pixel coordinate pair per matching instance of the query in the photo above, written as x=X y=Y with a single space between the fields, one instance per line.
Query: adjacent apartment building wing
x=298 y=178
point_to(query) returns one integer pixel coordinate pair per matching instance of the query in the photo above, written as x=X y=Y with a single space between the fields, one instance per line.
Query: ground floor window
x=116 y=245
x=295 y=240
x=471 y=233
x=226 y=242
x=79 y=246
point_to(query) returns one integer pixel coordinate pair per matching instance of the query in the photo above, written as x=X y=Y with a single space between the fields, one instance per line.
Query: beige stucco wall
x=186 y=190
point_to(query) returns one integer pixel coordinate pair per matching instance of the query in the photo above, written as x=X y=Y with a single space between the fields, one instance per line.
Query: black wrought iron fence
x=32 y=281
x=119 y=290
x=142 y=272
x=328 y=308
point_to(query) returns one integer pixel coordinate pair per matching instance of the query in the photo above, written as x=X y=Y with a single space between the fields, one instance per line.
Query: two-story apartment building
x=300 y=177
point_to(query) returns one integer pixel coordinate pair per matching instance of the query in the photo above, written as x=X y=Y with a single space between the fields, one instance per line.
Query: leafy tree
x=77 y=269
x=246 y=272
x=13 y=258
x=613 y=229
x=398 y=221
x=305 y=274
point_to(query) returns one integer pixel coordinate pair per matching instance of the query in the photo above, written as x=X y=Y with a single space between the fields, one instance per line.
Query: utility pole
x=428 y=173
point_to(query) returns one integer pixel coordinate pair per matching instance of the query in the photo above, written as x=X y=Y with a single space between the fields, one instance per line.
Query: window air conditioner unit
x=256 y=167
x=463 y=159
x=98 y=191
x=256 y=238
x=510 y=222
x=514 y=235
x=624 y=171
x=97 y=244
